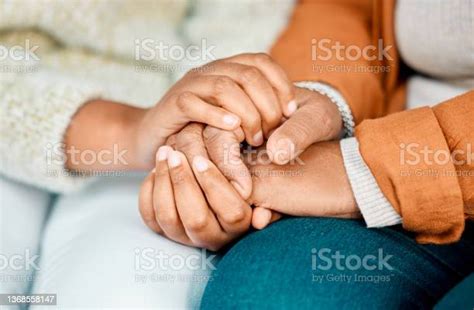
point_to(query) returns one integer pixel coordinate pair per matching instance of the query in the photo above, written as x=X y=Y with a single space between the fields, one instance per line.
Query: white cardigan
x=87 y=49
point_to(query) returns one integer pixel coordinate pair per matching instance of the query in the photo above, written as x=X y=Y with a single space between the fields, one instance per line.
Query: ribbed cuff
x=374 y=206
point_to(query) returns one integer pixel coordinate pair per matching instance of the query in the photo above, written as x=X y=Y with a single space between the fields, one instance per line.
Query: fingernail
x=163 y=153
x=174 y=159
x=292 y=107
x=258 y=138
x=200 y=163
x=231 y=120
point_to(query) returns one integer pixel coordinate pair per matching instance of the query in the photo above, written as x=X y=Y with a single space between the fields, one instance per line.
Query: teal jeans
x=314 y=263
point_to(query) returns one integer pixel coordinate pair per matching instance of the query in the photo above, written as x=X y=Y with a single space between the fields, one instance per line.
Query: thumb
x=262 y=217
x=309 y=124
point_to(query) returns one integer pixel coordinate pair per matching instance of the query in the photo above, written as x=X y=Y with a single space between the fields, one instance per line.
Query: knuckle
x=212 y=135
x=262 y=58
x=171 y=141
x=198 y=223
x=251 y=74
x=166 y=218
x=188 y=140
x=235 y=216
x=326 y=123
x=222 y=84
x=273 y=117
x=286 y=91
x=252 y=120
x=183 y=101
x=179 y=176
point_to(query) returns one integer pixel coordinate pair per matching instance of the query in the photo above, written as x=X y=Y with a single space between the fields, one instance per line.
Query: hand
x=317 y=186
x=194 y=206
x=247 y=90
x=222 y=147
x=317 y=119
x=246 y=93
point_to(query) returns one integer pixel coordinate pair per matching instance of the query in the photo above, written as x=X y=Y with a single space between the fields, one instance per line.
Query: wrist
x=336 y=98
x=102 y=136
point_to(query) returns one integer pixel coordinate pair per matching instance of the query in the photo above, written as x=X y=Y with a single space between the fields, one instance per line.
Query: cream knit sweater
x=80 y=50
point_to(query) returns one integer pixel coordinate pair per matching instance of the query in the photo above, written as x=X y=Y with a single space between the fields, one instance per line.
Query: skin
x=195 y=205
x=185 y=202
x=311 y=186
x=219 y=148
x=247 y=93
x=254 y=93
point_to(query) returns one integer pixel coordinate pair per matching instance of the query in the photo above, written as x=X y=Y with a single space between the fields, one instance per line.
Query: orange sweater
x=433 y=193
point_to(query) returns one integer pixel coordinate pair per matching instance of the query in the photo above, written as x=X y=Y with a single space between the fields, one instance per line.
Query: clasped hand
x=205 y=191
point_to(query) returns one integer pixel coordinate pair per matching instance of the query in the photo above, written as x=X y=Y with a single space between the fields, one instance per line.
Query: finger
x=198 y=220
x=257 y=87
x=171 y=141
x=190 y=141
x=262 y=217
x=145 y=204
x=309 y=124
x=233 y=213
x=223 y=91
x=163 y=200
x=239 y=133
x=195 y=109
x=223 y=148
x=275 y=75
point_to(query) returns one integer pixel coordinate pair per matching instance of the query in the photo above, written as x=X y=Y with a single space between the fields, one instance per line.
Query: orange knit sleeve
x=423 y=162
x=308 y=51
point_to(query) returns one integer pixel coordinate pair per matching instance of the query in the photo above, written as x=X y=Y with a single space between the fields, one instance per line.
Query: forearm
x=102 y=136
